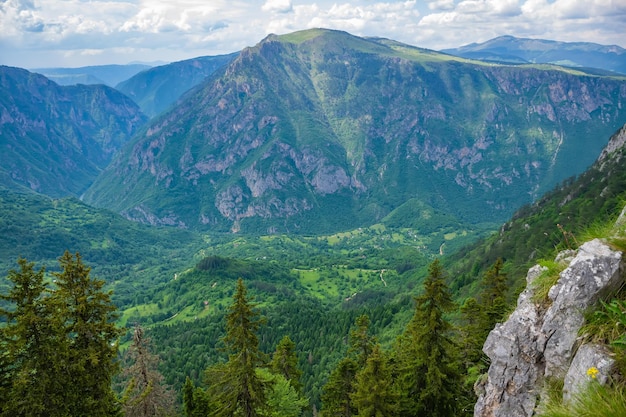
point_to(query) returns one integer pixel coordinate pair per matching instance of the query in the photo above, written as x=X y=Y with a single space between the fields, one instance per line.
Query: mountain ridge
x=511 y=49
x=56 y=139
x=110 y=75
x=304 y=125
x=155 y=89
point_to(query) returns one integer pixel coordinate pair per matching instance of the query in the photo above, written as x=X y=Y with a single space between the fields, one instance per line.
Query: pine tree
x=428 y=374
x=282 y=399
x=374 y=395
x=189 y=405
x=195 y=400
x=492 y=298
x=33 y=348
x=88 y=323
x=472 y=335
x=285 y=363
x=59 y=343
x=145 y=394
x=479 y=317
x=337 y=393
x=235 y=386
x=361 y=343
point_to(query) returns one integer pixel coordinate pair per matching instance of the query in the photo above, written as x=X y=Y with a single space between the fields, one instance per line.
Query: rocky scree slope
x=320 y=130
x=56 y=139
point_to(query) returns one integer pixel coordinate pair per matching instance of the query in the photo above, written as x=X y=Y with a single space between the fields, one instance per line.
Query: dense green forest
x=377 y=304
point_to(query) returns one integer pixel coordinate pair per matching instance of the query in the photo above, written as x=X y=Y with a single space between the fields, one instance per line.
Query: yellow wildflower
x=593 y=372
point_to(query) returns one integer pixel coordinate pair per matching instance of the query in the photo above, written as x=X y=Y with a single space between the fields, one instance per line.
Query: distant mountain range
x=110 y=75
x=158 y=88
x=510 y=49
x=320 y=130
x=56 y=139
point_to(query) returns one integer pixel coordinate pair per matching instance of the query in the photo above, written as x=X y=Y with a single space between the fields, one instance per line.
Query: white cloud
x=77 y=32
x=277 y=6
x=366 y=19
x=441 y=4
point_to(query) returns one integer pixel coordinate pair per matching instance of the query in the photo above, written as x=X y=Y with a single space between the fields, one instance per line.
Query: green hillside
x=321 y=131
x=131 y=257
x=563 y=218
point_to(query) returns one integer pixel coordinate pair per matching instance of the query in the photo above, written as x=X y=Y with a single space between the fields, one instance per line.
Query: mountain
x=109 y=75
x=523 y=50
x=320 y=130
x=56 y=139
x=158 y=88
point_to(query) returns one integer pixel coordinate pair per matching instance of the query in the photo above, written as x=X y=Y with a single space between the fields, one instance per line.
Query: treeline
x=429 y=371
x=60 y=356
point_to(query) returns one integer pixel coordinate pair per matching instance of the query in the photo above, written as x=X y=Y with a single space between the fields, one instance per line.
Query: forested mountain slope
x=156 y=89
x=132 y=258
x=56 y=139
x=320 y=131
x=564 y=217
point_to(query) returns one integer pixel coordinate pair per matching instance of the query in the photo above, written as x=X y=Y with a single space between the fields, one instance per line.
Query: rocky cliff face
x=539 y=341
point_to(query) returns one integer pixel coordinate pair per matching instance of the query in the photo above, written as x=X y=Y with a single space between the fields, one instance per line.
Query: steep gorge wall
x=540 y=342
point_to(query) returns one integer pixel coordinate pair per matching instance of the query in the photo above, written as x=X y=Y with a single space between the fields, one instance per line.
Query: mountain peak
x=321 y=130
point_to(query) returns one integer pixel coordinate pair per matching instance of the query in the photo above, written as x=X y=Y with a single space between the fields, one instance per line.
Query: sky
x=74 y=33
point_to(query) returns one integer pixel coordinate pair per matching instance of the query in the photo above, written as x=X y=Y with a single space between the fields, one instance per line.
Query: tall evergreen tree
x=145 y=394
x=59 y=343
x=479 y=317
x=285 y=363
x=428 y=374
x=235 y=386
x=472 y=334
x=88 y=322
x=374 y=395
x=33 y=348
x=361 y=343
x=337 y=393
x=492 y=297
x=282 y=398
x=195 y=400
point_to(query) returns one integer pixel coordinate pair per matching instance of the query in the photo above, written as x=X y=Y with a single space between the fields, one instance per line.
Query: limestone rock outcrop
x=539 y=341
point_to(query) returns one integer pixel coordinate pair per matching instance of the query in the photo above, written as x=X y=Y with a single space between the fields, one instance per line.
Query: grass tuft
x=595 y=400
x=546 y=280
